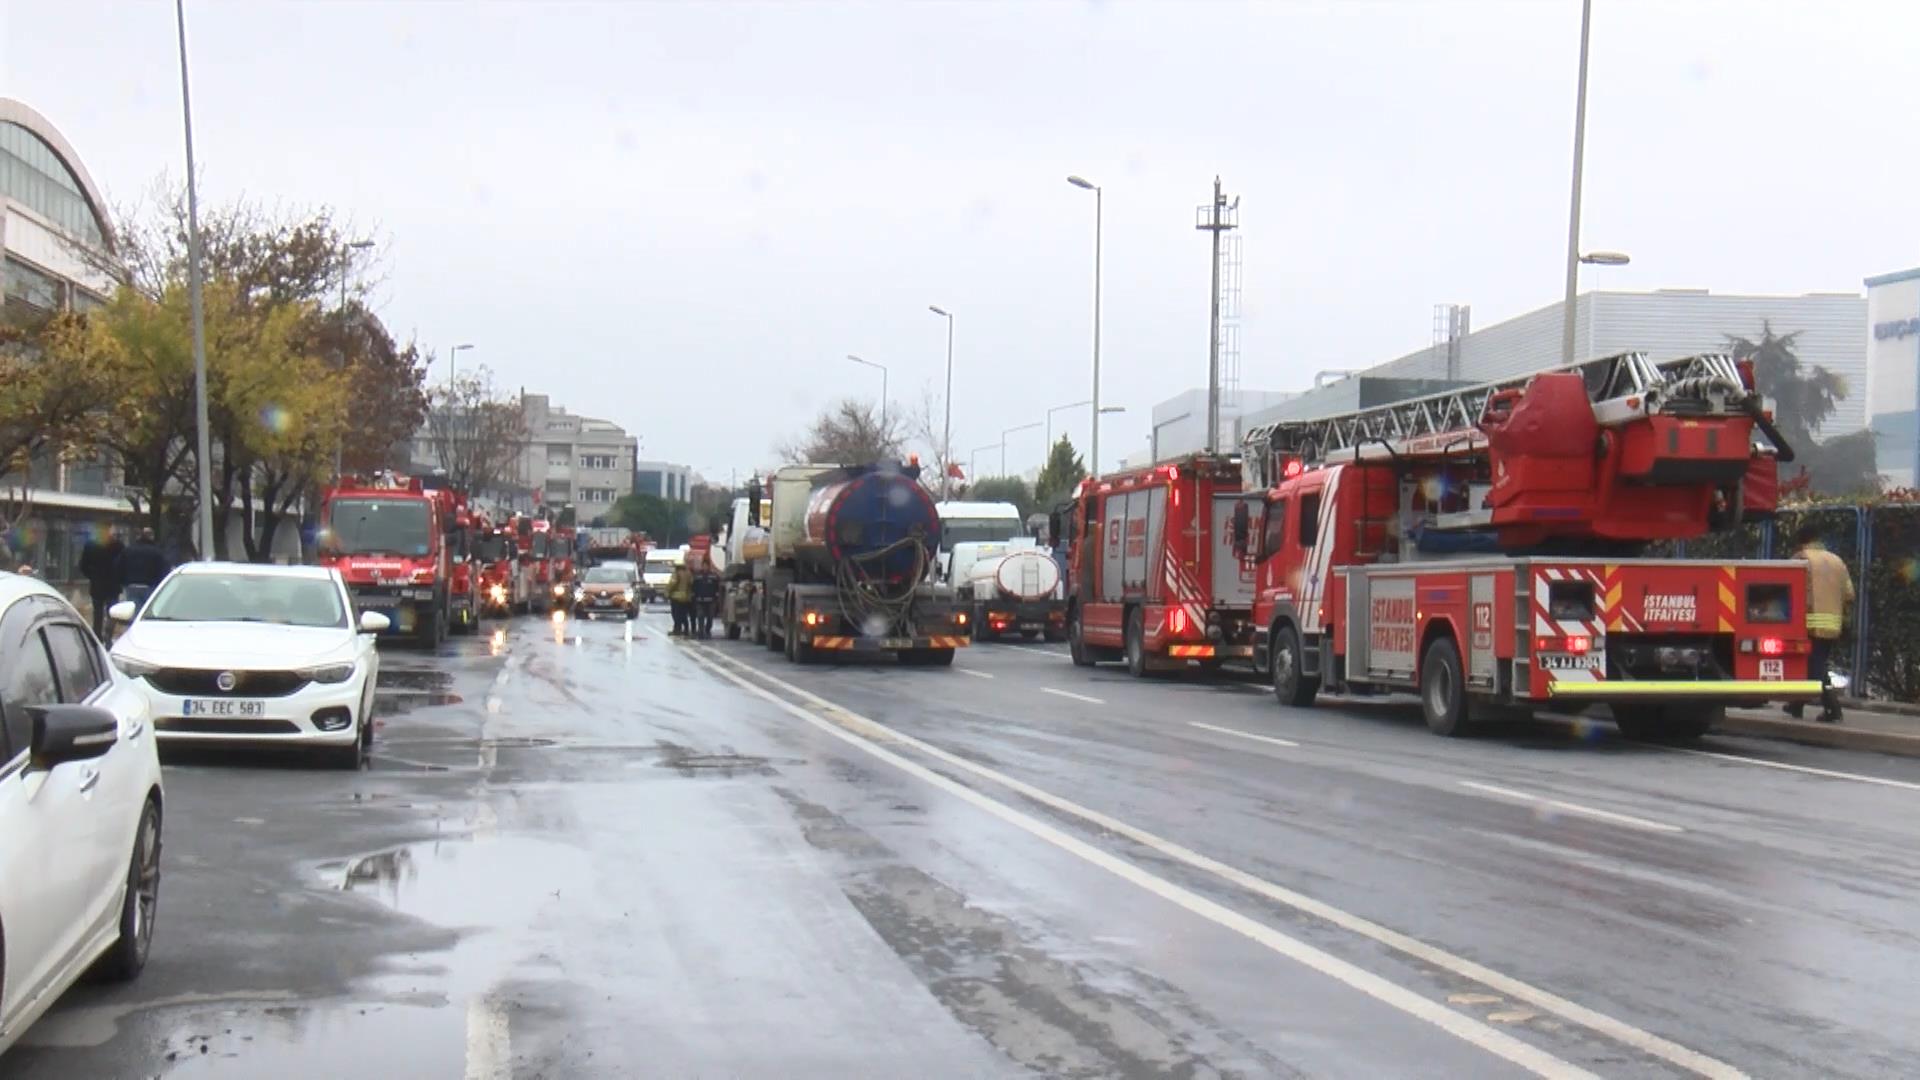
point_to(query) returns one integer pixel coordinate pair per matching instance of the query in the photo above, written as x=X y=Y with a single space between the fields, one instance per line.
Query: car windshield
x=244 y=597
x=491 y=548
x=660 y=566
x=379 y=527
x=608 y=575
x=964 y=530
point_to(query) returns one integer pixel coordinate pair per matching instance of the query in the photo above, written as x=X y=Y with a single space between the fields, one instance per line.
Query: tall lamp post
x=1093 y=448
x=1003 y=442
x=346 y=271
x=451 y=355
x=1573 y=212
x=1061 y=408
x=946 y=431
x=883 y=389
x=975 y=456
x=202 y=442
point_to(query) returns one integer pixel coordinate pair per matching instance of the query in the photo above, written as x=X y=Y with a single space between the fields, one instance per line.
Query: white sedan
x=264 y=655
x=80 y=807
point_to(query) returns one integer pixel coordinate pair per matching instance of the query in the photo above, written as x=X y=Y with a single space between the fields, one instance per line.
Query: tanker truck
x=1016 y=591
x=833 y=559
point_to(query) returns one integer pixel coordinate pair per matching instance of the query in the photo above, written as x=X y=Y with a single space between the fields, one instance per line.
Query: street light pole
x=973 y=472
x=883 y=389
x=1093 y=447
x=1060 y=408
x=451 y=354
x=946 y=432
x=1573 y=213
x=202 y=442
x=1003 y=442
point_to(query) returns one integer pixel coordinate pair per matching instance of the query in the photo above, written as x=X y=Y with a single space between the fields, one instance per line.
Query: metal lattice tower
x=1230 y=321
x=1217 y=217
x=1451 y=323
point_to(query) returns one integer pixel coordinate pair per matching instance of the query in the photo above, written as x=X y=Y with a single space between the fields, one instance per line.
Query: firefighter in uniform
x=1829 y=597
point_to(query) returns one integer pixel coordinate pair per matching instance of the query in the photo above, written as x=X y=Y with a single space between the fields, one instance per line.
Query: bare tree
x=849 y=433
x=476 y=435
x=927 y=426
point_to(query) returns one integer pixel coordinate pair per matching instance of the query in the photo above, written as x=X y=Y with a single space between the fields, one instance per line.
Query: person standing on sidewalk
x=100 y=565
x=1829 y=598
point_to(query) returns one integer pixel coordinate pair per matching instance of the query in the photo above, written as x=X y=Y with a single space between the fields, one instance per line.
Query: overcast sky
x=682 y=216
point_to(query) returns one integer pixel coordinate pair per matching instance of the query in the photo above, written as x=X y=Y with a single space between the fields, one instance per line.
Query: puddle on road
x=337 y=1040
x=690 y=763
x=496 y=881
x=402 y=690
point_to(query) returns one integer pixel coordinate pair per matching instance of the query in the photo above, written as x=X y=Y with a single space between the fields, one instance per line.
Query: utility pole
x=1216 y=218
x=202 y=442
x=1573 y=213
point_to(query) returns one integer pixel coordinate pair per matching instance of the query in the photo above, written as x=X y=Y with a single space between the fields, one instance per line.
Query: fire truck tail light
x=1177 y=622
x=1579 y=644
x=1572 y=643
x=1173 y=472
x=1772 y=646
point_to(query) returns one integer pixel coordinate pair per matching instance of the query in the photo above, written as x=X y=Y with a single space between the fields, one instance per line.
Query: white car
x=266 y=655
x=80 y=808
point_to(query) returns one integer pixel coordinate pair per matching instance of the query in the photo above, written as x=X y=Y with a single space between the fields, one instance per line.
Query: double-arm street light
x=883 y=389
x=1003 y=442
x=1093 y=450
x=946 y=429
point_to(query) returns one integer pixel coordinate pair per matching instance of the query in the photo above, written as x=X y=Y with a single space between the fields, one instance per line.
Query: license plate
x=896 y=643
x=1773 y=670
x=1569 y=662
x=225 y=707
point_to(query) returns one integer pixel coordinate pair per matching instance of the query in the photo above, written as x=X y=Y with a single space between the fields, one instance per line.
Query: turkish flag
x=953 y=471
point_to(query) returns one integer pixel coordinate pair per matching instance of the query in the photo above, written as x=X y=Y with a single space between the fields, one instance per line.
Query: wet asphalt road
x=590 y=850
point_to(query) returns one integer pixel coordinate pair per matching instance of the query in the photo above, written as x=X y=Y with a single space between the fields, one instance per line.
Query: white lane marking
x=1574 y=808
x=489 y=1041
x=1071 y=694
x=1592 y=1019
x=975 y=674
x=1835 y=774
x=1243 y=734
x=1469 y=1030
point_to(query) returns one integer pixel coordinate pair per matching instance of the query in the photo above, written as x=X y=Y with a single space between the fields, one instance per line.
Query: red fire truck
x=1483 y=549
x=463 y=607
x=1158 y=566
x=387 y=536
x=502 y=580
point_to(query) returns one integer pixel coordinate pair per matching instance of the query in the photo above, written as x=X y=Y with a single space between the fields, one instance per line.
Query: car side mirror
x=123 y=611
x=63 y=733
x=372 y=622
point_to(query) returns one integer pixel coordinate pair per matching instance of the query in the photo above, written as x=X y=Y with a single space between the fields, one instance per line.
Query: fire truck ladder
x=1444 y=425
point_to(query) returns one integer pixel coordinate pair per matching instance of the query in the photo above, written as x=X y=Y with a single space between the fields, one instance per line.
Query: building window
x=32 y=289
x=599 y=461
x=31 y=173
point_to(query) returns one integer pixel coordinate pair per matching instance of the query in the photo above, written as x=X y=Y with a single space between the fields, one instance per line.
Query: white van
x=657 y=570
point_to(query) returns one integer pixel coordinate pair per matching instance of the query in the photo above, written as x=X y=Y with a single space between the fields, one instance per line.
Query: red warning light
x=1772 y=646
x=1294 y=467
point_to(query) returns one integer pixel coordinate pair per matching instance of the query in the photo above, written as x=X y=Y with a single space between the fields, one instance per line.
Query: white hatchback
x=265 y=655
x=80 y=806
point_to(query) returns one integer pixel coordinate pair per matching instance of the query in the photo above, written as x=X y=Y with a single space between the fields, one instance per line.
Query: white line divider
x=1573 y=808
x=1243 y=734
x=1831 y=773
x=975 y=674
x=1071 y=694
x=866 y=734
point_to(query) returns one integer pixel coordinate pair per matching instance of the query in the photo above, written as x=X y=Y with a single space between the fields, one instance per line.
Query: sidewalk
x=1881 y=727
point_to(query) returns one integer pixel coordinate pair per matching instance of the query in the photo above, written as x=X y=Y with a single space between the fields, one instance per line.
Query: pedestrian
x=142 y=566
x=706 y=596
x=100 y=565
x=1829 y=598
x=680 y=599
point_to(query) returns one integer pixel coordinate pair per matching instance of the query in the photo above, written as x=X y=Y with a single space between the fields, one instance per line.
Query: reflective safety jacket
x=1829 y=591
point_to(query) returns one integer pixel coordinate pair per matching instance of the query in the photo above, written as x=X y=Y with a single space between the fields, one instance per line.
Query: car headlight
x=134 y=668
x=327 y=673
x=626 y=594
x=498 y=593
x=559 y=590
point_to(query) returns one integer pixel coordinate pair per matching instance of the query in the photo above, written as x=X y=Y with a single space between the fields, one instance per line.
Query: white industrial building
x=1665 y=323
x=1180 y=423
x=1893 y=374
x=664 y=479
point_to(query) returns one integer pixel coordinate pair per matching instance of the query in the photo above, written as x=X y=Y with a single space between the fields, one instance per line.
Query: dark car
x=607 y=590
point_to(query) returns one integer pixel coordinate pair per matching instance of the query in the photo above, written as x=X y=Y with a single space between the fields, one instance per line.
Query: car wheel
x=1443 y=689
x=128 y=955
x=1289 y=685
x=1137 y=643
x=1076 y=642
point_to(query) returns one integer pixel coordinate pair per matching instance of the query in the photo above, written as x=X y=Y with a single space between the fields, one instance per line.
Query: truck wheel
x=798 y=651
x=1137 y=643
x=1686 y=723
x=1443 y=689
x=1290 y=685
x=928 y=657
x=1029 y=635
x=1076 y=642
x=1665 y=723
